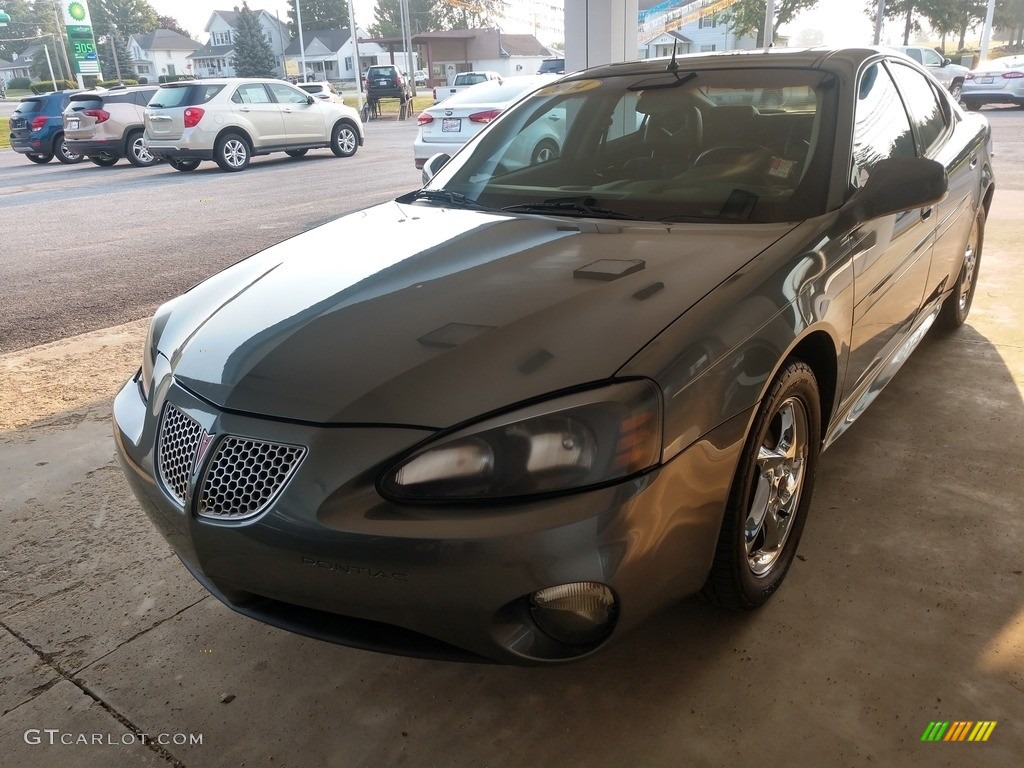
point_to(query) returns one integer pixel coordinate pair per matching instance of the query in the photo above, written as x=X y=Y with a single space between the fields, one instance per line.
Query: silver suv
x=106 y=125
x=229 y=120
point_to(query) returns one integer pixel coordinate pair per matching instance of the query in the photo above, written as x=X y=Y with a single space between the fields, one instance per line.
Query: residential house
x=706 y=34
x=215 y=59
x=21 y=66
x=330 y=54
x=161 y=52
x=12 y=69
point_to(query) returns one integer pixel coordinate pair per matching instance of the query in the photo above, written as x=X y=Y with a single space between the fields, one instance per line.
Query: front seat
x=672 y=140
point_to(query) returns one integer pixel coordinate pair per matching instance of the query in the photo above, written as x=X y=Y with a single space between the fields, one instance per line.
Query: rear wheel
x=182 y=164
x=103 y=162
x=957 y=305
x=972 y=104
x=771 y=493
x=39 y=157
x=545 y=151
x=137 y=153
x=295 y=152
x=232 y=152
x=344 y=140
x=63 y=154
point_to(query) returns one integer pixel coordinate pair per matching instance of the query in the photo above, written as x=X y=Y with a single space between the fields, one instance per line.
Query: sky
x=842 y=21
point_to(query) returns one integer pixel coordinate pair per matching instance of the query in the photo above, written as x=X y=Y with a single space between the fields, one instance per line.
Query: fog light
x=577 y=614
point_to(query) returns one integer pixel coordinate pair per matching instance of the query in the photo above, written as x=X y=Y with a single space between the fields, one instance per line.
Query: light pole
x=355 y=58
x=769 y=24
x=302 y=45
x=879 y=14
x=986 y=33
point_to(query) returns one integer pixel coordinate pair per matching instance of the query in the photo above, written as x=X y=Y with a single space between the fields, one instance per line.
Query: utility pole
x=112 y=39
x=769 y=24
x=302 y=45
x=407 y=40
x=58 y=42
x=986 y=34
x=879 y=15
x=355 y=58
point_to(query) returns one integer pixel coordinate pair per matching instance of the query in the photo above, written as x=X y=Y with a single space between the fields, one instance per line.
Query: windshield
x=733 y=144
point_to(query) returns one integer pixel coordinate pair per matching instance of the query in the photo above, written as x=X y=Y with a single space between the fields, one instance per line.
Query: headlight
x=567 y=443
x=148 y=359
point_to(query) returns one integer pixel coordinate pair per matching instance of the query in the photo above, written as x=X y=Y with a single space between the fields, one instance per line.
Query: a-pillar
x=599 y=32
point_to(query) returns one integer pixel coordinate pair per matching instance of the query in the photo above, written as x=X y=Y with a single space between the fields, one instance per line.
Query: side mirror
x=897 y=184
x=946 y=62
x=434 y=164
x=310 y=100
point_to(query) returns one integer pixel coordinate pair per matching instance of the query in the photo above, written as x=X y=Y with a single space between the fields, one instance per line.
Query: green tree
x=129 y=17
x=25 y=22
x=1010 y=16
x=468 y=14
x=746 y=18
x=253 y=56
x=106 y=45
x=423 y=17
x=171 y=23
x=318 y=14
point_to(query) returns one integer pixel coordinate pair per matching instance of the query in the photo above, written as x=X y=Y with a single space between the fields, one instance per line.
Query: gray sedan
x=1000 y=81
x=555 y=398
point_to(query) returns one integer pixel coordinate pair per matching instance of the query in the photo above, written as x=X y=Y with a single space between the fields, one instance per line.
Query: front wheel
x=231 y=152
x=182 y=164
x=771 y=493
x=545 y=151
x=39 y=158
x=957 y=305
x=138 y=155
x=63 y=154
x=956 y=90
x=344 y=140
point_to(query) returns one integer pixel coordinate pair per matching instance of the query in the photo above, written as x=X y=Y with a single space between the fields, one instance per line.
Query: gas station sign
x=80 y=37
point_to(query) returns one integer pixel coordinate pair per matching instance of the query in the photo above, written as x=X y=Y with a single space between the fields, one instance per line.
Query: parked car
x=324 y=91
x=952 y=76
x=229 y=120
x=37 y=130
x=551 y=401
x=445 y=127
x=385 y=81
x=461 y=82
x=1000 y=81
x=420 y=76
x=106 y=125
x=555 y=66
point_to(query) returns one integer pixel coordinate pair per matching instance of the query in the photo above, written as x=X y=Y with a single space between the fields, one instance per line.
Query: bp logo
x=76 y=11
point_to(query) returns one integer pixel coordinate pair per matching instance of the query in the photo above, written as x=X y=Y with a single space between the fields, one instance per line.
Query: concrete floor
x=906 y=605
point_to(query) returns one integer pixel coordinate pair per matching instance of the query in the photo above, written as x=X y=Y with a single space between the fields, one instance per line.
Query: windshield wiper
x=582 y=206
x=456 y=199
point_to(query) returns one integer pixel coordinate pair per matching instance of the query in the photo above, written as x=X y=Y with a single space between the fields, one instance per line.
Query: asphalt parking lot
x=906 y=605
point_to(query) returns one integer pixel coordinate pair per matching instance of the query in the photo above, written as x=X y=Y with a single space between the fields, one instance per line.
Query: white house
x=161 y=52
x=215 y=58
x=330 y=54
x=706 y=34
x=17 y=68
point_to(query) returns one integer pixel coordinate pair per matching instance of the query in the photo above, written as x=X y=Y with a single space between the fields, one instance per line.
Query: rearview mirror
x=433 y=165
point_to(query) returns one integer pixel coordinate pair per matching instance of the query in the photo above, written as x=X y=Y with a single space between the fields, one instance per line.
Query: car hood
x=428 y=316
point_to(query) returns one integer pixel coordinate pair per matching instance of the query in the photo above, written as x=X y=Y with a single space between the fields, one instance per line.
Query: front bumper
x=332 y=559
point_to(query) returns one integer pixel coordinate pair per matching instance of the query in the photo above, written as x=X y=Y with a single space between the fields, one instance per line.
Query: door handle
x=286 y=110
x=974 y=161
x=243 y=109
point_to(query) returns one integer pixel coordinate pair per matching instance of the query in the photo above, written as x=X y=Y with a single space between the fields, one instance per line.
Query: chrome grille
x=176 y=450
x=245 y=476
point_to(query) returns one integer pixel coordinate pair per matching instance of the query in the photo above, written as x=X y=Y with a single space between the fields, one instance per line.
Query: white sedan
x=447 y=126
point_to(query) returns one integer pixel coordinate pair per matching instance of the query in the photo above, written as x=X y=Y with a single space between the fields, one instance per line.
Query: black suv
x=385 y=81
x=552 y=66
x=37 y=130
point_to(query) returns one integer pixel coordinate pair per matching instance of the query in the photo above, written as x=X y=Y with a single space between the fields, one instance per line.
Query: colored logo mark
x=76 y=11
x=959 y=730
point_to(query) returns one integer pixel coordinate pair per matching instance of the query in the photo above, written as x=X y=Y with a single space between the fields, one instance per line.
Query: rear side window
x=882 y=128
x=925 y=108
x=184 y=95
x=142 y=97
x=28 y=107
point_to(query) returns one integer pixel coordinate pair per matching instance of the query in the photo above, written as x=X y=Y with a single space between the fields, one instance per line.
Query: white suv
x=228 y=120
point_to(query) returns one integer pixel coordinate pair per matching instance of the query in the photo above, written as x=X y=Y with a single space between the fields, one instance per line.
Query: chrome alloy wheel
x=235 y=153
x=141 y=153
x=781 y=470
x=967 y=274
x=346 y=141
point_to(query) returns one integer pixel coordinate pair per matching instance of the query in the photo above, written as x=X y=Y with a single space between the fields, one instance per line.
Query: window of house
x=707 y=48
x=707 y=22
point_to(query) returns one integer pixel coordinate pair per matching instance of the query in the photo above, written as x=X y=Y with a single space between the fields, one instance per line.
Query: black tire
x=957 y=305
x=545 y=151
x=296 y=152
x=136 y=152
x=344 y=139
x=182 y=163
x=102 y=161
x=956 y=90
x=770 y=494
x=232 y=152
x=972 y=105
x=63 y=154
x=39 y=158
